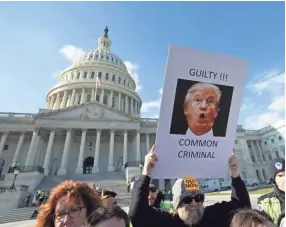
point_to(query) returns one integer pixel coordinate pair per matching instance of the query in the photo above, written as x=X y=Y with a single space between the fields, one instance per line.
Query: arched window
x=85 y=75
x=106 y=76
x=119 y=80
x=78 y=75
x=113 y=78
x=124 y=82
x=92 y=75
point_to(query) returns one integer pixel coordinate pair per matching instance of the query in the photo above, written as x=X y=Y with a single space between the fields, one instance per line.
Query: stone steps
x=110 y=181
x=15 y=215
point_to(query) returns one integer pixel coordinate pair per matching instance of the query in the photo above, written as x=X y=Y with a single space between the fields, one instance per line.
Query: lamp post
x=16 y=172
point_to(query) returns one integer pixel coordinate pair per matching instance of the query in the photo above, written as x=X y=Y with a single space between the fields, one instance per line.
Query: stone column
x=31 y=148
x=3 y=141
x=72 y=98
x=95 y=168
x=76 y=99
x=63 y=168
x=111 y=152
x=36 y=151
x=92 y=95
x=131 y=107
x=126 y=104
x=254 y=151
x=57 y=104
x=82 y=96
x=64 y=100
x=19 y=146
x=49 y=152
x=138 y=153
x=110 y=99
x=147 y=143
x=68 y=101
x=52 y=102
x=79 y=169
x=260 y=151
x=101 y=96
x=125 y=154
x=119 y=101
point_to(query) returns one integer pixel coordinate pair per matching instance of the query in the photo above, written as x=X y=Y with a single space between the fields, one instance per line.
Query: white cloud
x=151 y=108
x=262 y=120
x=71 y=53
x=270 y=86
x=57 y=74
x=271 y=82
x=278 y=103
x=133 y=71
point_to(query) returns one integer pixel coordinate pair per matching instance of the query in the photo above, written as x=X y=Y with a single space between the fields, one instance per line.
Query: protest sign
x=199 y=114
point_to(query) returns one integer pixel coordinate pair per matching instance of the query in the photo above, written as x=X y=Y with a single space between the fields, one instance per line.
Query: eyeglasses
x=197 y=198
x=153 y=189
x=73 y=213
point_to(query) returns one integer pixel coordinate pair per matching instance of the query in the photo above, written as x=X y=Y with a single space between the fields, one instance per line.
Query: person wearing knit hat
x=188 y=201
x=184 y=192
x=273 y=203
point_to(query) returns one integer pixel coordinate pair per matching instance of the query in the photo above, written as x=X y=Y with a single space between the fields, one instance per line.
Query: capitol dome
x=78 y=83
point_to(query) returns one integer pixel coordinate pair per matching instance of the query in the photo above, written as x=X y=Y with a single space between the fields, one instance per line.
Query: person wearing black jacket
x=187 y=202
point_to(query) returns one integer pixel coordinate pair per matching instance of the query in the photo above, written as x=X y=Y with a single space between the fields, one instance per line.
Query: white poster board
x=199 y=114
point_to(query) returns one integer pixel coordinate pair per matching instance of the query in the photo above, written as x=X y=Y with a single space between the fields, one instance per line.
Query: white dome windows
x=106 y=76
x=113 y=78
x=84 y=75
x=92 y=75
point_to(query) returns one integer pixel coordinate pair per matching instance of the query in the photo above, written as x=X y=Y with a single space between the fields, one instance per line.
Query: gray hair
x=203 y=86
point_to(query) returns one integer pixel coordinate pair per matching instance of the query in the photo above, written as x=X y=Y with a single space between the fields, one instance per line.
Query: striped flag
x=99 y=80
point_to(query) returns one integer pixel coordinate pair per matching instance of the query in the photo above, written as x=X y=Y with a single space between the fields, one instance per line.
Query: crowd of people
x=79 y=205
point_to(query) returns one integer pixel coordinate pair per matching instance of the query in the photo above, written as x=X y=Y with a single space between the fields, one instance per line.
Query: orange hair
x=73 y=193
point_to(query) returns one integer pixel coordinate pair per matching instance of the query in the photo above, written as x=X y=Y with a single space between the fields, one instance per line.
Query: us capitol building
x=89 y=129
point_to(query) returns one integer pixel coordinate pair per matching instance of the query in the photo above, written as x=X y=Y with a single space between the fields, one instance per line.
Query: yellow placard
x=191 y=184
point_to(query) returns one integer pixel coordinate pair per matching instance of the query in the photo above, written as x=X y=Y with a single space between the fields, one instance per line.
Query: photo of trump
x=201 y=109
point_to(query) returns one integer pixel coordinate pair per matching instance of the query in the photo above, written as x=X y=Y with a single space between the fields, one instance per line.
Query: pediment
x=89 y=111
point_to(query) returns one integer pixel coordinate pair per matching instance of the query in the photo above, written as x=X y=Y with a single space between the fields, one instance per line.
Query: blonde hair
x=203 y=86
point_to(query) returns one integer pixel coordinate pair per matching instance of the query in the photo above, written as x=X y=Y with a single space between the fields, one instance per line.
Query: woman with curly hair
x=69 y=204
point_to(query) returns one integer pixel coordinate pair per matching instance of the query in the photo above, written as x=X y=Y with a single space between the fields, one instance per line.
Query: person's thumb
x=152 y=151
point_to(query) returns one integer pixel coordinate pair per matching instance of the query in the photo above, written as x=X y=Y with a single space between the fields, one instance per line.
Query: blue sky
x=39 y=39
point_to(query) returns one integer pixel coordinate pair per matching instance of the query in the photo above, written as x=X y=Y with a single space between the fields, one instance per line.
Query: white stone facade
x=89 y=129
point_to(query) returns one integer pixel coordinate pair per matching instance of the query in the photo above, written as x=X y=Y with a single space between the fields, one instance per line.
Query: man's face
x=191 y=213
x=201 y=110
x=109 y=201
x=153 y=193
x=280 y=180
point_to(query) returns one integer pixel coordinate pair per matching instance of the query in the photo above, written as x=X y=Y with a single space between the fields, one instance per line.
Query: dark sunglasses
x=153 y=189
x=197 y=198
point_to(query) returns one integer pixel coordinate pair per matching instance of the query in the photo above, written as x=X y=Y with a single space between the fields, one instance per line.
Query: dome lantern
x=104 y=43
